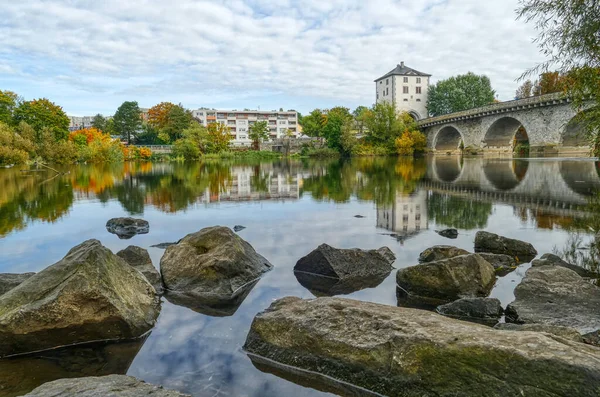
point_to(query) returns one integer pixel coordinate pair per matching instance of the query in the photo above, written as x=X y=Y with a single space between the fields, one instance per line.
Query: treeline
x=376 y=131
x=548 y=83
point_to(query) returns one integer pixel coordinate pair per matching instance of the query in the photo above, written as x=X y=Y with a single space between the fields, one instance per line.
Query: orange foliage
x=158 y=115
x=91 y=134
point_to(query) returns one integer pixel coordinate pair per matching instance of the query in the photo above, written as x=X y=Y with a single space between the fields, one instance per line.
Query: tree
x=9 y=101
x=525 y=90
x=169 y=120
x=41 y=114
x=383 y=123
x=335 y=120
x=218 y=138
x=99 y=122
x=550 y=82
x=312 y=124
x=569 y=37
x=360 y=115
x=258 y=132
x=459 y=93
x=158 y=115
x=128 y=120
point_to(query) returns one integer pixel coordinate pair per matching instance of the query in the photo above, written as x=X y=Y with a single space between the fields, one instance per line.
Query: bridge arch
x=505 y=175
x=448 y=138
x=581 y=176
x=448 y=168
x=505 y=132
x=574 y=132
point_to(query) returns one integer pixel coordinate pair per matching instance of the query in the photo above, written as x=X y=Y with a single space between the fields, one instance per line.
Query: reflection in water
x=20 y=375
x=329 y=286
x=302 y=205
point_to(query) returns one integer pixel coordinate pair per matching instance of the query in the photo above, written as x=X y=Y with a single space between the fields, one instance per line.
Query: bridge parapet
x=495 y=108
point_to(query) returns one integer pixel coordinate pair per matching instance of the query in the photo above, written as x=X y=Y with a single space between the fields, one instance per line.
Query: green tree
x=360 y=115
x=459 y=93
x=313 y=124
x=178 y=119
x=128 y=120
x=258 y=132
x=336 y=120
x=218 y=138
x=9 y=101
x=99 y=122
x=383 y=123
x=569 y=38
x=43 y=114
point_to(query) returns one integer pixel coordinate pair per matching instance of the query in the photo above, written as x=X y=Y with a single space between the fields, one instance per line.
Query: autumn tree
x=218 y=138
x=9 y=101
x=549 y=83
x=42 y=114
x=128 y=120
x=525 y=90
x=258 y=132
x=459 y=93
x=158 y=115
x=169 y=120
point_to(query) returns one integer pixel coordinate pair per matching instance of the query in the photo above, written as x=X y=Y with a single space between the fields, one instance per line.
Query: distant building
x=78 y=123
x=405 y=87
x=407 y=216
x=240 y=121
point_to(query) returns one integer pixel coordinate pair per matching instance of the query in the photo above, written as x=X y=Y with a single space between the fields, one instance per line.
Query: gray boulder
x=9 y=281
x=554 y=260
x=448 y=233
x=214 y=264
x=329 y=286
x=489 y=242
x=563 y=332
x=554 y=295
x=439 y=252
x=413 y=353
x=345 y=264
x=102 y=386
x=126 y=228
x=89 y=295
x=502 y=264
x=483 y=310
x=444 y=281
x=141 y=261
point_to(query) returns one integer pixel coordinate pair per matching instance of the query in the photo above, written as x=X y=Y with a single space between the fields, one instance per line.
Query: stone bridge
x=558 y=186
x=546 y=122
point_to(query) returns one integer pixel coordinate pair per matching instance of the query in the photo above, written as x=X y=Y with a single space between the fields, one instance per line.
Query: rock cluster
x=126 y=228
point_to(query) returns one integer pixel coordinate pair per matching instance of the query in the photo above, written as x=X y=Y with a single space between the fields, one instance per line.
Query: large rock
x=444 y=281
x=483 y=310
x=102 y=386
x=9 y=281
x=126 y=228
x=141 y=261
x=563 y=332
x=439 y=252
x=329 y=286
x=502 y=264
x=554 y=295
x=344 y=264
x=495 y=244
x=212 y=264
x=414 y=353
x=555 y=260
x=89 y=295
x=448 y=233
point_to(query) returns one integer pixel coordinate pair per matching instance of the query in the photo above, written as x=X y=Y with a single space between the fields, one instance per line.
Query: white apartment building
x=239 y=122
x=407 y=216
x=78 y=123
x=405 y=87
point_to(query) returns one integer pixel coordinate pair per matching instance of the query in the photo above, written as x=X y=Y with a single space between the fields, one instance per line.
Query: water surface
x=288 y=209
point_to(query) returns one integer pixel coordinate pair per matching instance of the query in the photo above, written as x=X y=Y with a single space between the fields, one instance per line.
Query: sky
x=89 y=57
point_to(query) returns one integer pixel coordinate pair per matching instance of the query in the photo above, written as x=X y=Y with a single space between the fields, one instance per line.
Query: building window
x=405 y=90
x=387 y=81
x=418 y=80
x=418 y=217
x=405 y=99
x=418 y=99
x=381 y=82
x=418 y=90
x=404 y=218
x=406 y=79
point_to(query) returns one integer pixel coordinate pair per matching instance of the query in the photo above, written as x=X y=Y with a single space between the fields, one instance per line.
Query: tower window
x=418 y=90
x=418 y=80
x=405 y=90
x=406 y=79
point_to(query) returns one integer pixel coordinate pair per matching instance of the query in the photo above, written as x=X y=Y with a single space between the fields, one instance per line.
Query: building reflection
x=406 y=216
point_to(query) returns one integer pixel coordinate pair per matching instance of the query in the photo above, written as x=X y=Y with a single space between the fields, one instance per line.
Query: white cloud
x=217 y=53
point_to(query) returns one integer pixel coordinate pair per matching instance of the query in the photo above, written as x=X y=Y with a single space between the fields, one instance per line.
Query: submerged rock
x=163 y=245
x=555 y=260
x=141 y=261
x=554 y=295
x=329 y=286
x=413 y=353
x=9 y=281
x=484 y=310
x=563 y=332
x=238 y=228
x=448 y=233
x=126 y=228
x=212 y=264
x=102 y=386
x=344 y=264
x=444 y=281
x=502 y=264
x=494 y=244
x=89 y=295
x=439 y=252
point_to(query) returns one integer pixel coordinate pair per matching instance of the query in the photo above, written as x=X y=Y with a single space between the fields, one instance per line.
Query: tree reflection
x=457 y=212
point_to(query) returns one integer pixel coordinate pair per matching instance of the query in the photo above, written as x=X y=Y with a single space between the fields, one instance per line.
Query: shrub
x=322 y=153
x=9 y=156
x=187 y=149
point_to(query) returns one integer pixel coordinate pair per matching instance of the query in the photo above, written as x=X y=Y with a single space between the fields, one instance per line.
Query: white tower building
x=407 y=88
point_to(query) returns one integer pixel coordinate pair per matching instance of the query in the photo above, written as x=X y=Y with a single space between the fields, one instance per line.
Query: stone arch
x=581 y=176
x=505 y=175
x=574 y=133
x=448 y=168
x=448 y=138
x=414 y=114
x=503 y=132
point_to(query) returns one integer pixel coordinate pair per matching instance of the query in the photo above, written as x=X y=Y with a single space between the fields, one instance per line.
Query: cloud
x=228 y=53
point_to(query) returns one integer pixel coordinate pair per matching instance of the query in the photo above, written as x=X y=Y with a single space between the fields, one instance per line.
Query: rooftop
x=402 y=70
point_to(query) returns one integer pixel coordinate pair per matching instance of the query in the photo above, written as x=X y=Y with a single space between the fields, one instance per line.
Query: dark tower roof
x=401 y=70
